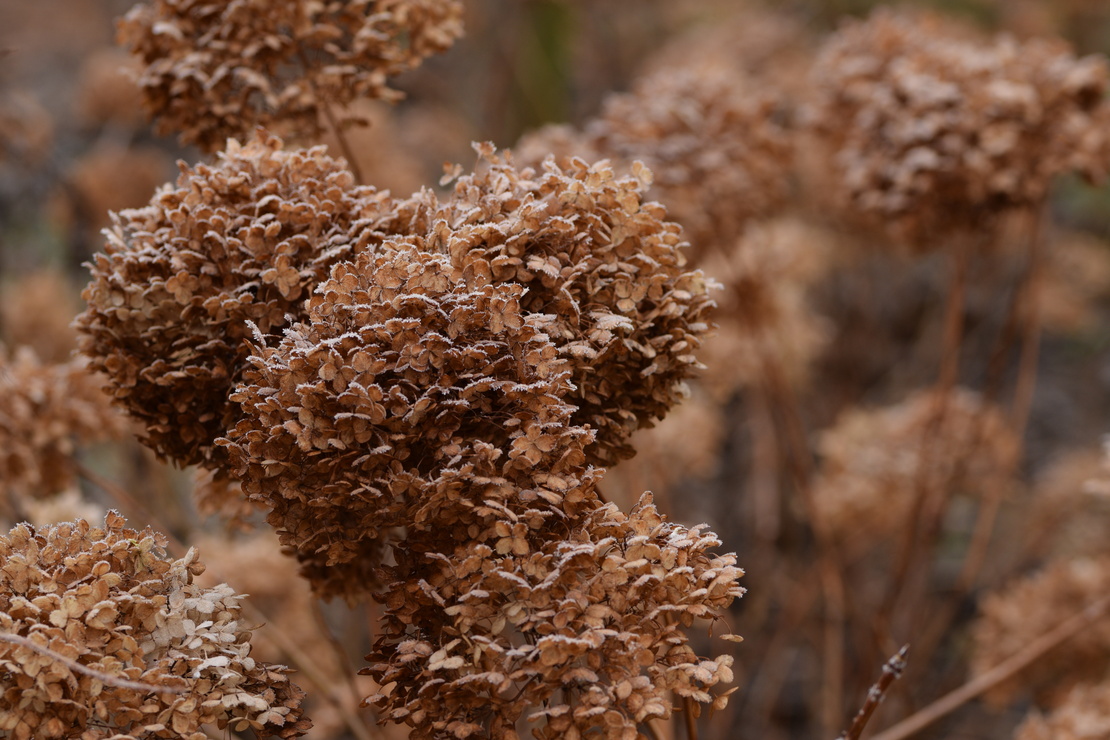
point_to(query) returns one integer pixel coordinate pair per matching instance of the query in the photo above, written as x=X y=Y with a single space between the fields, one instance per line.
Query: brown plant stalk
x=948 y=703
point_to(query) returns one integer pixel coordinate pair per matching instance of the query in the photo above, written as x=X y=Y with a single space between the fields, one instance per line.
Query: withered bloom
x=935 y=130
x=874 y=461
x=607 y=271
x=407 y=400
x=217 y=70
x=581 y=635
x=243 y=240
x=102 y=635
x=46 y=412
x=711 y=138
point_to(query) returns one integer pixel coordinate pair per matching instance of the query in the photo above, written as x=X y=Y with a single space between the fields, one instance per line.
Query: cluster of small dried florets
x=217 y=70
x=1084 y=714
x=447 y=390
x=46 y=411
x=718 y=153
x=875 y=462
x=243 y=240
x=1012 y=618
x=401 y=403
x=934 y=130
x=579 y=634
x=101 y=635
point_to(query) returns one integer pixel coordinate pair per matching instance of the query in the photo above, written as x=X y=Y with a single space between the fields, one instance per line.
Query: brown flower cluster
x=766 y=321
x=410 y=399
x=243 y=240
x=46 y=411
x=718 y=154
x=1012 y=618
x=580 y=635
x=934 y=129
x=874 y=462
x=606 y=271
x=217 y=70
x=37 y=312
x=101 y=635
x=1083 y=715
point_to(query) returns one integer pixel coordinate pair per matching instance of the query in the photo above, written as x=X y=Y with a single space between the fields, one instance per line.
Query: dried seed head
x=407 y=399
x=243 y=240
x=1012 y=618
x=86 y=613
x=717 y=155
x=217 y=70
x=46 y=412
x=1084 y=714
x=934 y=130
x=579 y=635
x=605 y=269
x=875 y=461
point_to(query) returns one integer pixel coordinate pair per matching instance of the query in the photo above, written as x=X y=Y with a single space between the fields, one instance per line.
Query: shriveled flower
x=875 y=461
x=1015 y=616
x=217 y=70
x=46 y=412
x=1084 y=714
x=934 y=130
x=765 y=320
x=243 y=240
x=604 y=268
x=102 y=635
x=718 y=155
x=408 y=399
x=37 y=311
x=579 y=637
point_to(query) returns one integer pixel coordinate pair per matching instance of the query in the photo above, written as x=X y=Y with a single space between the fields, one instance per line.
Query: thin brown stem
x=689 y=718
x=892 y=671
x=948 y=703
x=333 y=123
x=925 y=507
x=105 y=678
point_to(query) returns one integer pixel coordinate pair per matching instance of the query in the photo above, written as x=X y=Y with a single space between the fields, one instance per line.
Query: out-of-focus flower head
x=217 y=70
x=717 y=152
x=875 y=461
x=46 y=412
x=934 y=130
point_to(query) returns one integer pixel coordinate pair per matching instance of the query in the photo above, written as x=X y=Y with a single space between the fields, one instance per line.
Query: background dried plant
x=821 y=320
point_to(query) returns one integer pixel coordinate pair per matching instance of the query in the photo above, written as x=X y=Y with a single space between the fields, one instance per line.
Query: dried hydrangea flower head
x=1013 y=617
x=217 y=70
x=407 y=400
x=1084 y=714
x=579 y=637
x=718 y=156
x=37 y=311
x=46 y=411
x=606 y=269
x=103 y=635
x=873 y=461
x=764 y=314
x=242 y=240
x=935 y=130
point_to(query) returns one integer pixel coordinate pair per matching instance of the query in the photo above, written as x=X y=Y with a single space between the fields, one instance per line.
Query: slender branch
x=1004 y=670
x=106 y=678
x=333 y=123
x=892 y=671
x=691 y=720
